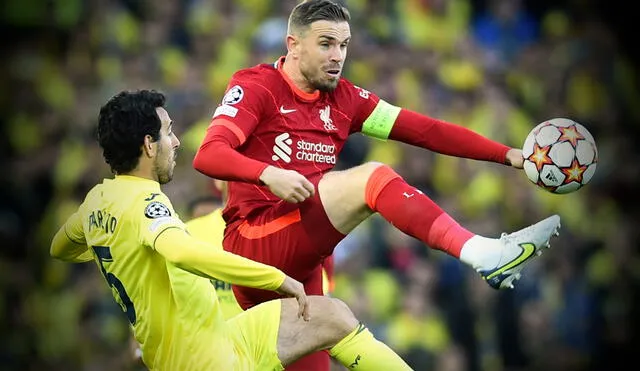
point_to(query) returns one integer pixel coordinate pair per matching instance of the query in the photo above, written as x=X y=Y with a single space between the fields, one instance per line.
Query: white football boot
x=519 y=248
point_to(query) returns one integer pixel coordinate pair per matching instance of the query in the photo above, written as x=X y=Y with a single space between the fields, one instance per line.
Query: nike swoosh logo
x=528 y=249
x=285 y=111
x=361 y=327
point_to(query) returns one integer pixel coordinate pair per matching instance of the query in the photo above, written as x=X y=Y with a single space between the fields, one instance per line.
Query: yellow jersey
x=175 y=315
x=210 y=228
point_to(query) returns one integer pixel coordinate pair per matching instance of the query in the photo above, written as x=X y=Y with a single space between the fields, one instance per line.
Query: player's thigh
x=255 y=335
x=342 y=194
x=331 y=320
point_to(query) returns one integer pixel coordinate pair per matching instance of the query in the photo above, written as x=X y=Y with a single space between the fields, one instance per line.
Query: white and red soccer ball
x=560 y=155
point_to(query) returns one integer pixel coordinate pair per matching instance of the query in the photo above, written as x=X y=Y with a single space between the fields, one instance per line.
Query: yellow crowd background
x=498 y=67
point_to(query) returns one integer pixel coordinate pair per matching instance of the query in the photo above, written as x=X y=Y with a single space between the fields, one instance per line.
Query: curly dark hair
x=307 y=12
x=123 y=123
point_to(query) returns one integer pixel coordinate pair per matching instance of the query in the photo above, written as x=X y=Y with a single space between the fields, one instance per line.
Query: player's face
x=323 y=50
x=168 y=144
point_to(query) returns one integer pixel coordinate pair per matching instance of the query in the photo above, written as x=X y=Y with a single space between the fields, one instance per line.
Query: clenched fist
x=288 y=185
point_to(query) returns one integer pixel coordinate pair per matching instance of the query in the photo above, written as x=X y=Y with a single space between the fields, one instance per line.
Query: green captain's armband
x=379 y=123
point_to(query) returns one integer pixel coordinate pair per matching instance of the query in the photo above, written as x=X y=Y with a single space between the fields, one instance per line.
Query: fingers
x=288 y=185
x=303 y=307
x=295 y=198
x=301 y=195
x=302 y=192
x=292 y=288
x=308 y=186
x=303 y=302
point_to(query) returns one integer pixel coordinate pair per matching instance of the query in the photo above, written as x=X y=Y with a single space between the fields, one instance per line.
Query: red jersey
x=264 y=119
x=278 y=124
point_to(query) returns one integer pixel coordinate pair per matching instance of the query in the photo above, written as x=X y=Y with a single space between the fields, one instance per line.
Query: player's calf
x=498 y=260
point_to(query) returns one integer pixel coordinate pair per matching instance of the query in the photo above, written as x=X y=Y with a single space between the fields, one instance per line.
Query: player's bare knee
x=353 y=178
x=365 y=170
x=338 y=320
x=371 y=166
x=347 y=319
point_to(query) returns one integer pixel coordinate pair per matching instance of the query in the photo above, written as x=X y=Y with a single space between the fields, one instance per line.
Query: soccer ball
x=560 y=155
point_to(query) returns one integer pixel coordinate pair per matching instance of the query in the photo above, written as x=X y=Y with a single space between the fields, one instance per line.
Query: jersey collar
x=298 y=92
x=137 y=179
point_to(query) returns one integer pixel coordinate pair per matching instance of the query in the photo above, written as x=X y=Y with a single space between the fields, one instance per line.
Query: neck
x=141 y=172
x=291 y=68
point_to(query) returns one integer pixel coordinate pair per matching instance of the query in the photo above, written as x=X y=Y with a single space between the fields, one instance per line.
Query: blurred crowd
x=498 y=67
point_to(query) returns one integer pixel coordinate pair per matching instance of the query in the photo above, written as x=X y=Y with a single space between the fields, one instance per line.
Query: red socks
x=413 y=212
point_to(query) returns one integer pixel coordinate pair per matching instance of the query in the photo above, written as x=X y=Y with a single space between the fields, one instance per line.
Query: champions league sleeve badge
x=234 y=95
x=156 y=210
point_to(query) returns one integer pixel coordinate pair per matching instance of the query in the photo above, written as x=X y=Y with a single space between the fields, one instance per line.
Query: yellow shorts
x=255 y=335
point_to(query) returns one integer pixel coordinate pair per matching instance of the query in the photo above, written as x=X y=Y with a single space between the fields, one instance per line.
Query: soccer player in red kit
x=276 y=137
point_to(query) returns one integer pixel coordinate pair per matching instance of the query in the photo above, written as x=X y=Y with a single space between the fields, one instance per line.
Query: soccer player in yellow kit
x=159 y=274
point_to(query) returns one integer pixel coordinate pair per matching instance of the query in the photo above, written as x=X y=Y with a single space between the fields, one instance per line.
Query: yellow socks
x=361 y=351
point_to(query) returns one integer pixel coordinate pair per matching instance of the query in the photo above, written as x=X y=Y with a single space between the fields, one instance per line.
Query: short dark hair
x=307 y=12
x=123 y=123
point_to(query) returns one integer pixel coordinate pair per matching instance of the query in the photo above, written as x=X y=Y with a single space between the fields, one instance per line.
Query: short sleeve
x=363 y=102
x=155 y=215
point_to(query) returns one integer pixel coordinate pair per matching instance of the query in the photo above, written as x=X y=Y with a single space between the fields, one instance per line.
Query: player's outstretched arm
x=69 y=244
x=390 y=122
x=199 y=258
x=202 y=259
x=446 y=138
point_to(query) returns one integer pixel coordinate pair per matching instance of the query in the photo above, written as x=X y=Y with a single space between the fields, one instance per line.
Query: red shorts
x=318 y=361
x=296 y=238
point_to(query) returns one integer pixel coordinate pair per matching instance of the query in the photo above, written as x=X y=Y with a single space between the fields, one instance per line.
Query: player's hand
x=293 y=288
x=288 y=185
x=514 y=158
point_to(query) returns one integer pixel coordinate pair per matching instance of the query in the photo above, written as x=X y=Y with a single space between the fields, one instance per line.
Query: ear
x=149 y=146
x=292 y=43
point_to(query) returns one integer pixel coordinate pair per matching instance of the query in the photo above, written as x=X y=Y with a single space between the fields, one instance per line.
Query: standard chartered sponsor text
x=316 y=152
